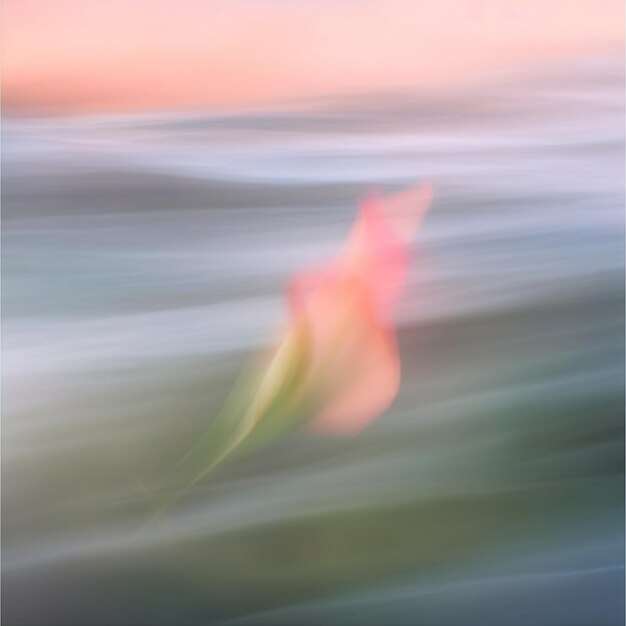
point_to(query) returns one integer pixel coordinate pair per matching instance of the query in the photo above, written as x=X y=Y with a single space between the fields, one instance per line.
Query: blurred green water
x=490 y=493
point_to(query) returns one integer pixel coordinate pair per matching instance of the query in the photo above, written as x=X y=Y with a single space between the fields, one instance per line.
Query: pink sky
x=106 y=55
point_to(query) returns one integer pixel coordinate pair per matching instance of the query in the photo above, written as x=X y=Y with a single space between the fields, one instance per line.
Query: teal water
x=144 y=260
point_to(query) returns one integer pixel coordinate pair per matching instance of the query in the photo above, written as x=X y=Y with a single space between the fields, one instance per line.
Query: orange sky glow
x=114 y=55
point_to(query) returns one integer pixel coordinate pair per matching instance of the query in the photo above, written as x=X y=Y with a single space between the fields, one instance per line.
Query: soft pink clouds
x=121 y=54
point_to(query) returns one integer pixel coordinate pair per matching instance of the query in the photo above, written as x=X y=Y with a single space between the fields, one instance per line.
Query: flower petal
x=356 y=363
x=378 y=246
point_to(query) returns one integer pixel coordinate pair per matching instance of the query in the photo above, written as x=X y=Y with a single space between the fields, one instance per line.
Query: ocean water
x=144 y=259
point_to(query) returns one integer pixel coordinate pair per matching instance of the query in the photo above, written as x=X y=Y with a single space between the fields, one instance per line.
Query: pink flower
x=337 y=364
x=346 y=308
